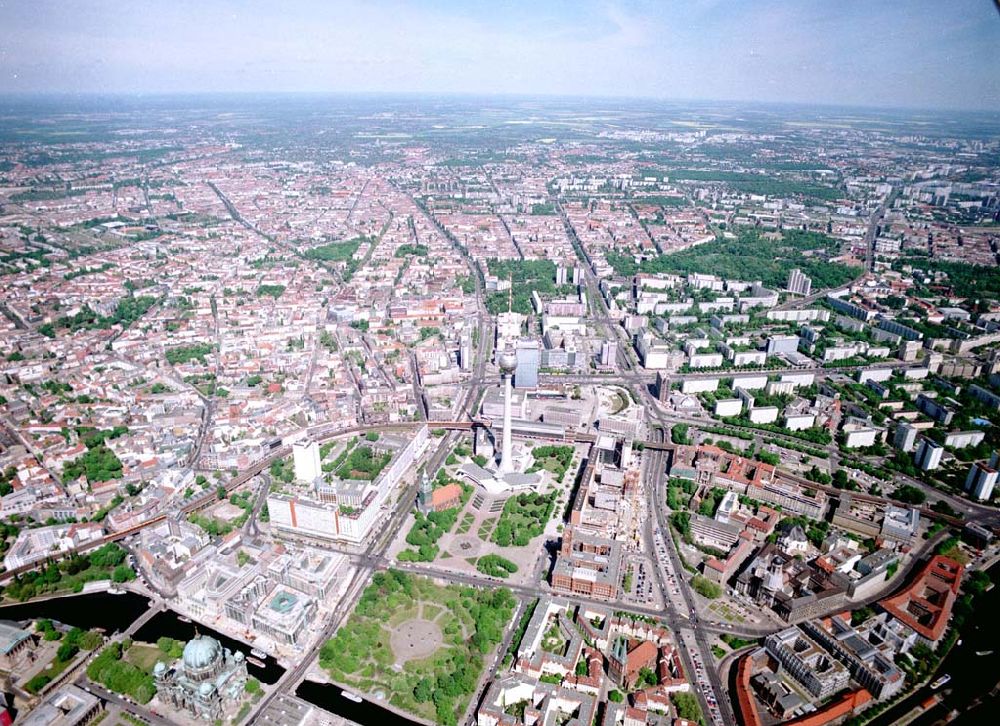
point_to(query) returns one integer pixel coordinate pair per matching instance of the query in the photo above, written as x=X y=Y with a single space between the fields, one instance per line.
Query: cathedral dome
x=201 y=652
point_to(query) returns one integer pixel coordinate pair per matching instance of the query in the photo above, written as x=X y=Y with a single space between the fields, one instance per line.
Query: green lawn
x=48 y=675
x=486 y=529
x=144 y=656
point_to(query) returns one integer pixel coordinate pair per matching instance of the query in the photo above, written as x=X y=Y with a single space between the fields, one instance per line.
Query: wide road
x=374 y=553
x=694 y=641
x=125 y=704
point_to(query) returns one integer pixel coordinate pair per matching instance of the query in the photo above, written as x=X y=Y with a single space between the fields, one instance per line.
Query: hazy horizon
x=922 y=55
x=681 y=103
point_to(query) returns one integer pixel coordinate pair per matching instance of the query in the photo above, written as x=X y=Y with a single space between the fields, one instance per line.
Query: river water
x=328 y=697
x=972 y=676
x=114 y=613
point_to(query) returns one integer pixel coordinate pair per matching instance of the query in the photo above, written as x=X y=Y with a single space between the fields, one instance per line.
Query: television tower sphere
x=507 y=362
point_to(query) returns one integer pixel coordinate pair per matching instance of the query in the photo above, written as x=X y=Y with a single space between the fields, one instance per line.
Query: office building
x=925 y=605
x=528 y=354
x=609 y=353
x=872 y=668
x=345 y=509
x=465 y=357
x=305 y=457
x=809 y=664
x=284 y=616
x=777 y=344
x=662 y=387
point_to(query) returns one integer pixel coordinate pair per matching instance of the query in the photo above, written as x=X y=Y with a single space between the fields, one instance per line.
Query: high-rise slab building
x=609 y=352
x=929 y=455
x=906 y=437
x=799 y=283
x=305 y=457
x=528 y=354
x=980 y=481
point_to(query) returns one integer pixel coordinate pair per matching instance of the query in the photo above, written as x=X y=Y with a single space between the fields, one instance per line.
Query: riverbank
x=973 y=676
x=109 y=612
x=115 y=613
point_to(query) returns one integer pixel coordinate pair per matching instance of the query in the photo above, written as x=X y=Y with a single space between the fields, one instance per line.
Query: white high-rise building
x=929 y=455
x=465 y=353
x=906 y=437
x=305 y=457
x=799 y=283
x=609 y=352
x=981 y=481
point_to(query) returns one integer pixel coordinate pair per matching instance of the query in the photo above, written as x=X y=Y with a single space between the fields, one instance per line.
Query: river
x=111 y=613
x=328 y=697
x=972 y=676
x=114 y=613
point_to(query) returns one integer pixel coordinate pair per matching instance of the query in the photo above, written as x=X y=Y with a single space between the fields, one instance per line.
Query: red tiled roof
x=445 y=494
x=925 y=606
x=641 y=656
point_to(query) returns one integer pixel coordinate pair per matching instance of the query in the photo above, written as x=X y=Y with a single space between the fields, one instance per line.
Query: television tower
x=508 y=362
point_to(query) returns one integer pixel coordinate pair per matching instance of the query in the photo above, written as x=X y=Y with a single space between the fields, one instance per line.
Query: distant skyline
x=916 y=53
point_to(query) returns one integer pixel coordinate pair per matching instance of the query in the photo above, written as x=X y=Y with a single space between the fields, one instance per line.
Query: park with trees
x=73 y=641
x=116 y=674
x=752 y=256
x=98 y=463
x=526 y=276
x=523 y=518
x=437 y=686
x=71 y=574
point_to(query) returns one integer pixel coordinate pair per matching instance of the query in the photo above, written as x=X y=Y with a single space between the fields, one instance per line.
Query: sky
x=932 y=54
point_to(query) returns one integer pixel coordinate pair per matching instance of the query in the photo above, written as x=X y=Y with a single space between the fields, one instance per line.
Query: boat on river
x=940 y=682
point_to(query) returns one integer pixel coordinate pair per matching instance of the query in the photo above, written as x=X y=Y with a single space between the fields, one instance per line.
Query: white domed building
x=205 y=682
